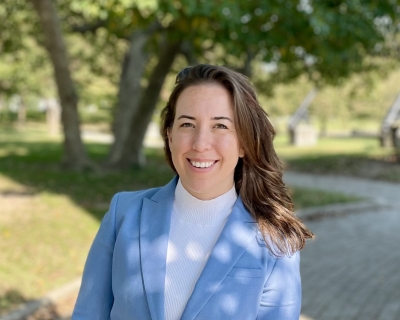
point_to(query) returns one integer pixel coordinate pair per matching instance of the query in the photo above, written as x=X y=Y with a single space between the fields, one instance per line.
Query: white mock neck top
x=195 y=227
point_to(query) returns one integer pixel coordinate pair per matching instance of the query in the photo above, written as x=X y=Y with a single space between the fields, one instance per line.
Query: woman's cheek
x=227 y=141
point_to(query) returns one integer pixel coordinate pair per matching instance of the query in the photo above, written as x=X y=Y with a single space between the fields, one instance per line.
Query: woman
x=219 y=241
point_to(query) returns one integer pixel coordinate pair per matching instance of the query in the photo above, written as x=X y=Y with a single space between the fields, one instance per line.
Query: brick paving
x=352 y=269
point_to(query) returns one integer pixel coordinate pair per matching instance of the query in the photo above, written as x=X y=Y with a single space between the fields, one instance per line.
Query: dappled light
x=82 y=84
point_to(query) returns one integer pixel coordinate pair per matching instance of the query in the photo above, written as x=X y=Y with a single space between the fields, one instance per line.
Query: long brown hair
x=258 y=175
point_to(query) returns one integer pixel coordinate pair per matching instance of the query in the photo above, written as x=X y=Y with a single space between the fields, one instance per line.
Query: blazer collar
x=155 y=222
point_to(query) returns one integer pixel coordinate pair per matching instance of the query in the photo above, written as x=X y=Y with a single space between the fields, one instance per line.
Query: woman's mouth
x=202 y=164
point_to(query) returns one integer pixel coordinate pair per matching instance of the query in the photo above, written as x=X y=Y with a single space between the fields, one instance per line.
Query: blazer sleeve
x=95 y=298
x=281 y=298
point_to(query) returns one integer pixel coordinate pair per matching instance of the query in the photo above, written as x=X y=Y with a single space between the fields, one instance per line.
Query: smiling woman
x=220 y=241
x=203 y=142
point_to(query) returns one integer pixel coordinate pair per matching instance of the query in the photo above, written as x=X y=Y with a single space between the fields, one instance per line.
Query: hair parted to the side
x=258 y=175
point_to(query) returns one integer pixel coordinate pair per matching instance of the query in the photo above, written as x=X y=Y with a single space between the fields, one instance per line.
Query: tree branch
x=89 y=27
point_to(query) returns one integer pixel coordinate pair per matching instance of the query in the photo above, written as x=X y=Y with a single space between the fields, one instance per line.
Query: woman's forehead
x=204 y=98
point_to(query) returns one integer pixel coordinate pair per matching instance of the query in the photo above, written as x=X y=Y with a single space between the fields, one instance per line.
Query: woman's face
x=203 y=141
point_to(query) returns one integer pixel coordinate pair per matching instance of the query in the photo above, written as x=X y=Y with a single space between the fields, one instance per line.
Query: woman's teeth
x=202 y=164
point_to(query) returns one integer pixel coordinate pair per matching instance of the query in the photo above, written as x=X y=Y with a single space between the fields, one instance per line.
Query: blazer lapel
x=239 y=230
x=154 y=231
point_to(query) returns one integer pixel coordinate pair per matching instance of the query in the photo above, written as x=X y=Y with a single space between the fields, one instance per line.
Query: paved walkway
x=352 y=268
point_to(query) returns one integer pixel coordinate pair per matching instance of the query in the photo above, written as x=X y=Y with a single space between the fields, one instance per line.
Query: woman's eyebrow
x=222 y=118
x=214 y=118
x=186 y=117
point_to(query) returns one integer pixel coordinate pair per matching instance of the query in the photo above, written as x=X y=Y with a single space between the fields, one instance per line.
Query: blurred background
x=82 y=83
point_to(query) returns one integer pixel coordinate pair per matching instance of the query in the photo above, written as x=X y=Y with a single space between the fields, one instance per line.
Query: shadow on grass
x=36 y=166
x=10 y=300
x=13 y=303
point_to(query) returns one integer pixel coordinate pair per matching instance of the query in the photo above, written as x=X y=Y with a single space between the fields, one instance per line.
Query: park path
x=351 y=270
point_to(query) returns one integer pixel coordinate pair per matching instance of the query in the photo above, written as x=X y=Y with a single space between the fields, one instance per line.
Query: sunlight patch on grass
x=20 y=151
x=45 y=246
x=8 y=184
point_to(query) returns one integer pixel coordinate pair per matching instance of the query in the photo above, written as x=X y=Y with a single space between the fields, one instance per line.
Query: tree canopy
x=132 y=45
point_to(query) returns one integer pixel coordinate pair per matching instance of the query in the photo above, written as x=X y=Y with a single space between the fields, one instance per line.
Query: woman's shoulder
x=157 y=194
x=125 y=206
x=124 y=197
x=129 y=202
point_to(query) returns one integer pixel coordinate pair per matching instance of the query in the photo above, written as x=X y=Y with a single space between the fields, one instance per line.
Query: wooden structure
x=390 y=128
x=301 y=132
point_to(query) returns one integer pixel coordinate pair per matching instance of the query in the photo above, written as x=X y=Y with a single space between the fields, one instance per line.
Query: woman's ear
x=169 y=135
x=241 y=152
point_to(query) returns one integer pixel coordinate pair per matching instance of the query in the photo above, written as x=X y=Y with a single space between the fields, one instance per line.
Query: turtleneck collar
x=203 y=212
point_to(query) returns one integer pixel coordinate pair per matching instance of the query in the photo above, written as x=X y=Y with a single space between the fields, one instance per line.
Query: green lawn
x=49 y=216
x=350 y=156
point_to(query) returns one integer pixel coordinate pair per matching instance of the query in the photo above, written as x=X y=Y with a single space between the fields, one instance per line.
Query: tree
x=23 y=70
x=128 y=96
x=325 y=40
x=148 y=100
x=75 y=155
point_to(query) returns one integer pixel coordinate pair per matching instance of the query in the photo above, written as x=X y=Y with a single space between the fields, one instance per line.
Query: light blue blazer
x=125 y=271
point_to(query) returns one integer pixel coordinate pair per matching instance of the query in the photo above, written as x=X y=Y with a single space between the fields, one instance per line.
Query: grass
x=305 y=197
x=49 y=216
x=349 y=156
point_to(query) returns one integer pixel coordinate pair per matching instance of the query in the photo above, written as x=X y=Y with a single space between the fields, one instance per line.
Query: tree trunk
x=21 y=112
x=133 y=154
x=187 y=51
x=129 y=94
x=247 y=70
x=75 y=156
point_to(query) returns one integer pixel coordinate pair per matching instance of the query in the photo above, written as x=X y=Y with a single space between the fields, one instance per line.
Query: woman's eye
x=187 y=125
x=220 y=126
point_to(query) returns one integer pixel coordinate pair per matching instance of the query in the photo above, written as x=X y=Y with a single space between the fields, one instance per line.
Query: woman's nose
x=202 y=140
